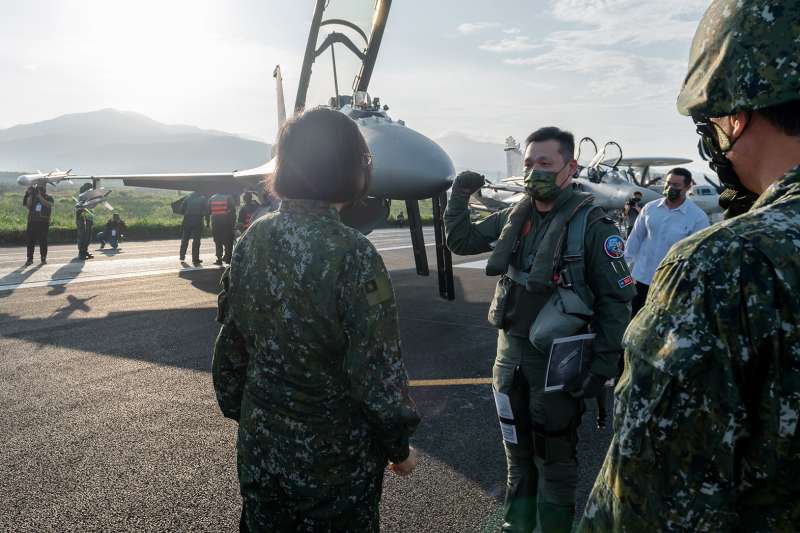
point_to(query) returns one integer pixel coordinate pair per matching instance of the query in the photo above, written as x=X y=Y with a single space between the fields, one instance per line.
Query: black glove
x=590 y=387
x=468 y=182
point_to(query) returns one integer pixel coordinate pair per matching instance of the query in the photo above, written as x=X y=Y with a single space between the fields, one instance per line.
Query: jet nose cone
x=23 y=180
x=406 y=164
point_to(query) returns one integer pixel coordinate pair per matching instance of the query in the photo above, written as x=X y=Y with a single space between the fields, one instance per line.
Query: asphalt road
x=109 y=420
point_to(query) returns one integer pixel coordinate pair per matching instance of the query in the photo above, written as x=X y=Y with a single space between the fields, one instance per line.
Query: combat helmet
x=745 y=56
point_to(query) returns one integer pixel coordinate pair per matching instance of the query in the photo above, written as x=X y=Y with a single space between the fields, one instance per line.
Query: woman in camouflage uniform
x=308 y=357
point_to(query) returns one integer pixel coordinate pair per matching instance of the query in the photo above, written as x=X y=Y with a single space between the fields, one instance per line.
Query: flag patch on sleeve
x=624 y=282
x=378 y=290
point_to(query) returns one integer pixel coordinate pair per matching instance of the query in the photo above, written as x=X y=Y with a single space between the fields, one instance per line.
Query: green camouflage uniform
x=706 y=417
x=544 y=483
x=308 y=361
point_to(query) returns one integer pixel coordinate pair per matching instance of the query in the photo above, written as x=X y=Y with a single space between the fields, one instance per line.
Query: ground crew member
x=247 y=211
x=113 y=232
x=631 y=211
x=223 y=220
x=40 y=208
x=539 y=262
x=195 y=210
x=308 y=357
x=84 y=220
x=707 y=434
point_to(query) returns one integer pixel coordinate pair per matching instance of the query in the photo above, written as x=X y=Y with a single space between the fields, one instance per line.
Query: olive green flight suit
x=543 y=482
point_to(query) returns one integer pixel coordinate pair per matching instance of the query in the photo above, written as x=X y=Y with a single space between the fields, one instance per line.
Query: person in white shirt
x=661 y=224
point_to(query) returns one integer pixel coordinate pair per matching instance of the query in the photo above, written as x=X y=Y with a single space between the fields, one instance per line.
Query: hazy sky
x=610 y=69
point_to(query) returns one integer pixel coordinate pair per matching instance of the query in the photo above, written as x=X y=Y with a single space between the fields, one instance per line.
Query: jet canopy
x=341 y=52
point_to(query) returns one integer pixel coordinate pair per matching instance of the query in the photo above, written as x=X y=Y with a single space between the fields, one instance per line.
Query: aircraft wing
x=206 y=182
x=642 y=162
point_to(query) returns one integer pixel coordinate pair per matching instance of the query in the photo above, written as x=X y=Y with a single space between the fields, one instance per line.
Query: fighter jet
x=706 y=196
x=51 y=178
x=639 y=168
x=407 y=166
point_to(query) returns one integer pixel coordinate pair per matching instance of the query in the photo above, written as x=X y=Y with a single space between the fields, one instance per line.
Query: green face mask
x=543 y=183
x=672 y=193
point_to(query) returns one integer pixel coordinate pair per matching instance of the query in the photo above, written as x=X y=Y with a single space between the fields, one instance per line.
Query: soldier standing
x=223 y=220
x=550 y=245
x=84 y=220
x=40 y=207
x=707 y=435
x=195 y=211
x=308 y=357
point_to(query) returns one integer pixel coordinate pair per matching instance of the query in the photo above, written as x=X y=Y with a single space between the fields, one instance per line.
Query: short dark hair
x=785 y=117
x=680 y=171
x=637 y=192
x=322 y=155
x=566 y=140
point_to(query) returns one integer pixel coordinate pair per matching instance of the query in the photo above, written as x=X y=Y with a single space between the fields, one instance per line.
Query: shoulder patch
x=614 y=247
x=378 y=290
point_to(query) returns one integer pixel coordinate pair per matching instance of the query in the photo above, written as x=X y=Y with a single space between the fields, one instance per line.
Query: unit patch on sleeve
x=614 y=247
x=378 y=290
x=624 y=282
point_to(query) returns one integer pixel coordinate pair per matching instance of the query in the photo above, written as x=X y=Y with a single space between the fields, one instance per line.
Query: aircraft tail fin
x=513 y=157
x=280 y=100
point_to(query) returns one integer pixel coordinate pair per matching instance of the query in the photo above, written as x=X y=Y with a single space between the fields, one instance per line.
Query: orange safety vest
x=219 y=207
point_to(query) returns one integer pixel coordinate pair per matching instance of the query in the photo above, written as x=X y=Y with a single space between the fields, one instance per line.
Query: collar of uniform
x=563 y=197
x=309 y=207
x=788 y=184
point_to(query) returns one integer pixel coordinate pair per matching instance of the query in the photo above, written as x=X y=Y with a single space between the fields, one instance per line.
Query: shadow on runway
x=17 y=276
x=206 y=279
x=440 y=340
x=73 y=305
x=68 y=268
x=109 y=252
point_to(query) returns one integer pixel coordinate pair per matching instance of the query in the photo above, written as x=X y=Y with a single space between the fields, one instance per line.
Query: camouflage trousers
x=269 y=509
x=84 y=238
x=542 y=466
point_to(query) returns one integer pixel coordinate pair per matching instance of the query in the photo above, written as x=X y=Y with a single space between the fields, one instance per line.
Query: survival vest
x=561 y=264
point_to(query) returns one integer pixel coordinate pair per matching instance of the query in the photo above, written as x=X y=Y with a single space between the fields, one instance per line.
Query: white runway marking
x=473 y=264
x=162 y=260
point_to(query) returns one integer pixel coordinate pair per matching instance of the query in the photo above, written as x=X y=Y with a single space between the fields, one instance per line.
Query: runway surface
x=111 y=424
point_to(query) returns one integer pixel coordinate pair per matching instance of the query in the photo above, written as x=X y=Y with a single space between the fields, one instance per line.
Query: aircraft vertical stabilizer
x=513 y=158
x=280 y=101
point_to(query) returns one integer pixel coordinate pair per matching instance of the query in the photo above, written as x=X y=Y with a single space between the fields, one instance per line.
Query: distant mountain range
x=469 y=154
x=112 y=141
